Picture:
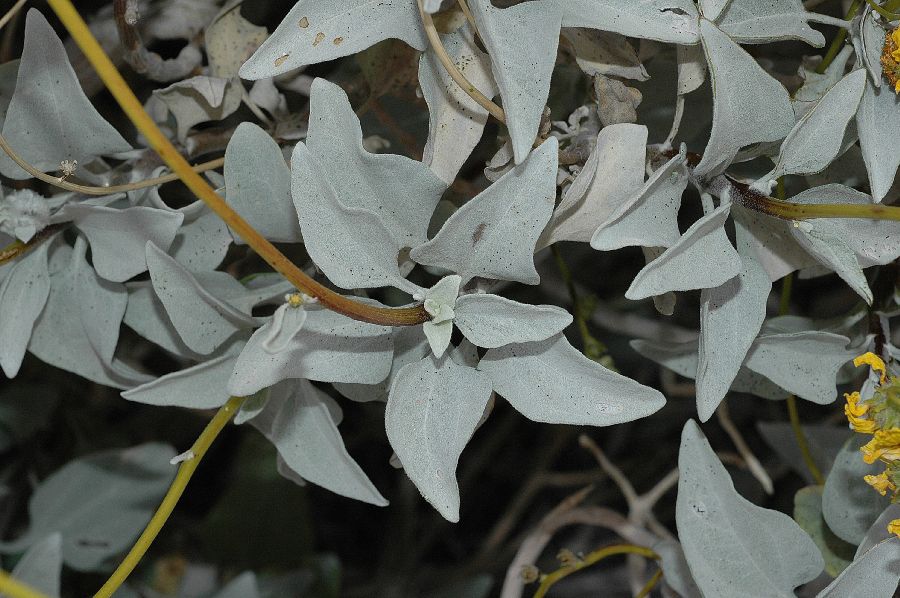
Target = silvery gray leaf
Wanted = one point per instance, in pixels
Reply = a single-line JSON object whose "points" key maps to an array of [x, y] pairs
{"points": [[761, 21], [409, 345], [491, 321], [672, 21], [875, 573], [702, 258], [432, 411], [879, 530], [773, 242], [40, 568], [873, 241], [86, 311], [803, 363], [676, 572], [23, 294], [691, 68], [711, 9], [333, 348], [298, 422], [740, 118], [682, 358], [605, 53], [230, 39], [522, 42], [614, 171], [551, 381], [49, 118], [816, 139], [400, 192], [202, 243], [650, 217], [733, 547], [350, 245], [455, 121], [203, 320], [98, 525], [202, 386], [731, 316], [494, 234], [878, 131], [118, 237], [314, 31], [258, 184], [834, 253], [824, 441], [146, 315], [200, 99], [849, 505]]}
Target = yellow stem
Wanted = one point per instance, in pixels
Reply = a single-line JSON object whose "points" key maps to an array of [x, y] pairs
{"points": [[93, 190], [598, 555], [651, 583], [9, 586], [107, 71], [435, 40], [185, 471]]}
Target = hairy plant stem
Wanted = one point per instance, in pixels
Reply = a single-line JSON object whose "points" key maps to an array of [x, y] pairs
{"points": [[467, 12], [596, 556], [787, 210], [123, 94], [887, 14], [838, 40], [6, 18], [435, 40], [185, 471], [94, 190]]}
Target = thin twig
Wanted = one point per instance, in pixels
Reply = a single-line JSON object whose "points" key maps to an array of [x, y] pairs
{"points": [[17, 248], [435, 40], [176, 489], [651, 583], [11, 13], [95, 190], [753, 464], [592, 558], [610, 468], [464, 7]]}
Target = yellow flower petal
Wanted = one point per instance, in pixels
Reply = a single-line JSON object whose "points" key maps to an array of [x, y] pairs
{"points": [[874, 362], [880, 482], [894, 527]]}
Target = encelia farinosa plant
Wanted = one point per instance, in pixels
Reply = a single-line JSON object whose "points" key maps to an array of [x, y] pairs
{"points": [[340, 242]]}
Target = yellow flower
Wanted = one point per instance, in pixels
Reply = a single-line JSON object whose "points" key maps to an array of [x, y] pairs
{"points": [[895, 38], [890, 59], [855, 412], [885, 446], [894, 527], [881, 483], [874, 362]]}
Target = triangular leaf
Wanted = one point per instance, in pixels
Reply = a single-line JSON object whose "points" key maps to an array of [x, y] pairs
{"points": [[202, 386], [875, 573], [733, 547], [23, 294], [522, 42], [332, 348], [491, 321], [297, 421], [433, 409], [494, 234], [551, 381], [739, 118], [314, 31], [702, 258], [50, 119], [258, 184]]}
